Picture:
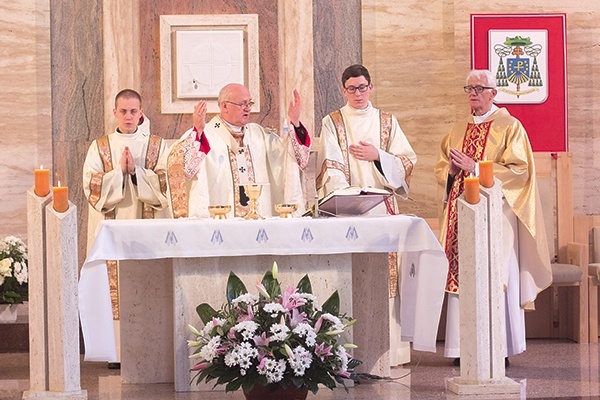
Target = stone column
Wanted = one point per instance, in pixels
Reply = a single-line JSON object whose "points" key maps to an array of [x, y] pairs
{"points": [[482, 323], [38, 328], [63, 358]]}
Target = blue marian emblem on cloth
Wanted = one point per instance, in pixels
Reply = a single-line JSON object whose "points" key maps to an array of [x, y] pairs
{"points": [[307, 235], [171, 239], [216, 238], [351, 234], [261, 236]]}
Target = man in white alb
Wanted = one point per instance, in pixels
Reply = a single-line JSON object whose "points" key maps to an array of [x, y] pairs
{"points": [[124, 175], [363, 146]]}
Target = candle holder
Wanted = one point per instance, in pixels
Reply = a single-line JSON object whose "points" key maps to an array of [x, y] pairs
{"points": [[253, 191]]}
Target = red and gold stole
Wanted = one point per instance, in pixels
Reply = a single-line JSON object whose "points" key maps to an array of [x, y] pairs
{"points": [[474, 143]]}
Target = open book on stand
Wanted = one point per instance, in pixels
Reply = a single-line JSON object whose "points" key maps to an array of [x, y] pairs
{"points": [[352, 201]]}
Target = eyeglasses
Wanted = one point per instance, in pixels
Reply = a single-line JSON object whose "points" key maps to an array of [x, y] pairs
{"points": [[361, 88], [246, 104], [476, 88]]}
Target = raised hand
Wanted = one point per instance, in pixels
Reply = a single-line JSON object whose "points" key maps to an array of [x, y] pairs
{"points": [[294, 109], [199, 116]]}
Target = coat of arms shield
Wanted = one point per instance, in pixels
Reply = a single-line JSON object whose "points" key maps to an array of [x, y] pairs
{"points": [[519, 60]]}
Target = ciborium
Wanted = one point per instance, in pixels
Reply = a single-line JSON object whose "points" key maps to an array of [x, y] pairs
{"points": [[219, 212], [253, 191], [286, 210]]}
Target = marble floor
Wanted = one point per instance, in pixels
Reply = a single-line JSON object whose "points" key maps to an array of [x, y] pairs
{"points": [[557, 369]]}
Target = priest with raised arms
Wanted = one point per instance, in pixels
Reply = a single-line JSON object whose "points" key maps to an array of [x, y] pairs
{"points": [[211, 162]]}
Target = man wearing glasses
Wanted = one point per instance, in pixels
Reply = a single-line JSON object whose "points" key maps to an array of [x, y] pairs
{"points": [[363, 146], [212, 161], [491, 133]]}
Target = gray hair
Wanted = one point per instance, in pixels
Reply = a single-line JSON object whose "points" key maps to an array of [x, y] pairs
{"points": [[483, 75]]}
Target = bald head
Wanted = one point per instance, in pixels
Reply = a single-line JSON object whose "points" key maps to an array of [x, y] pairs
{"points": [[235, 103]]}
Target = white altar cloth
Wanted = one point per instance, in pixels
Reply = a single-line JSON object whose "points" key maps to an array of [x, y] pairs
{"points": [[421, 290]]}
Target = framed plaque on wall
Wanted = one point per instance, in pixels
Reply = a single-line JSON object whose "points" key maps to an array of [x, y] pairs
{"points": [[527, 54]]}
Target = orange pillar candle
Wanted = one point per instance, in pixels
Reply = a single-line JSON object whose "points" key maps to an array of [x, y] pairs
{"points": [[472, 190], [486, 173], [41, 181], [61, 198]]}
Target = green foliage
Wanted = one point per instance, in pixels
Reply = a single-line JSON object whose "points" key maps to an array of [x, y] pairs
{"points": [[235, 287], [278, 337]]}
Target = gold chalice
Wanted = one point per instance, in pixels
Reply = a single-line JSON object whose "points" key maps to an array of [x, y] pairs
{"points": [[253, 191], [286, 210], [219, 212]]}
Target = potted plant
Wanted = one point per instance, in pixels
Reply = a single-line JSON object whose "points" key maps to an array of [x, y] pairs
{"points": [[272, 342], [13, 277]]}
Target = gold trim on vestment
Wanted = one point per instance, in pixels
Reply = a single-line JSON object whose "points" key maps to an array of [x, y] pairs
{"points": [[176, 180], [474, 147]]}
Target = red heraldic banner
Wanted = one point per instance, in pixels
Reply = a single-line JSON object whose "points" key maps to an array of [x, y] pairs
{"points": [[527, 54]]}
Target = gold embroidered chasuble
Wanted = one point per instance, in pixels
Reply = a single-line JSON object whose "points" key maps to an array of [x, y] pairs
{"points": [[503, 139], [260, 157]]}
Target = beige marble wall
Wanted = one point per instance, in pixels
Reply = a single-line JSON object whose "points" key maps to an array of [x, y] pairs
{"points": [[408, 48], [121, 35], [419, 53], [25, 129]]}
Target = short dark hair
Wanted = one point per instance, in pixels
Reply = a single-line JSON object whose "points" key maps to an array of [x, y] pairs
{"points": [[354, 71], [128, 94]]}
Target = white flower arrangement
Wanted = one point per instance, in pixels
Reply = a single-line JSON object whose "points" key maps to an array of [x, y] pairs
{"points": [[276, 338], [13, 271]]}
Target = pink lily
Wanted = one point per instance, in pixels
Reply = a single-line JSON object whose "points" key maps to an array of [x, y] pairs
{"points": [[344, 374], [262, 290], [231, 334], [261, 340], [261, 365], [286, 298], [318, 324], [289, 351], [321, 351], [297, 317], [200, 366], [222, 349], [249, 316]]}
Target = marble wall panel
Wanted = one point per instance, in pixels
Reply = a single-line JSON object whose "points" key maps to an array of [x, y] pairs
{"points": [[25, 129], [121, 35], [173, 125], [77, 95], [337, 45]]}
